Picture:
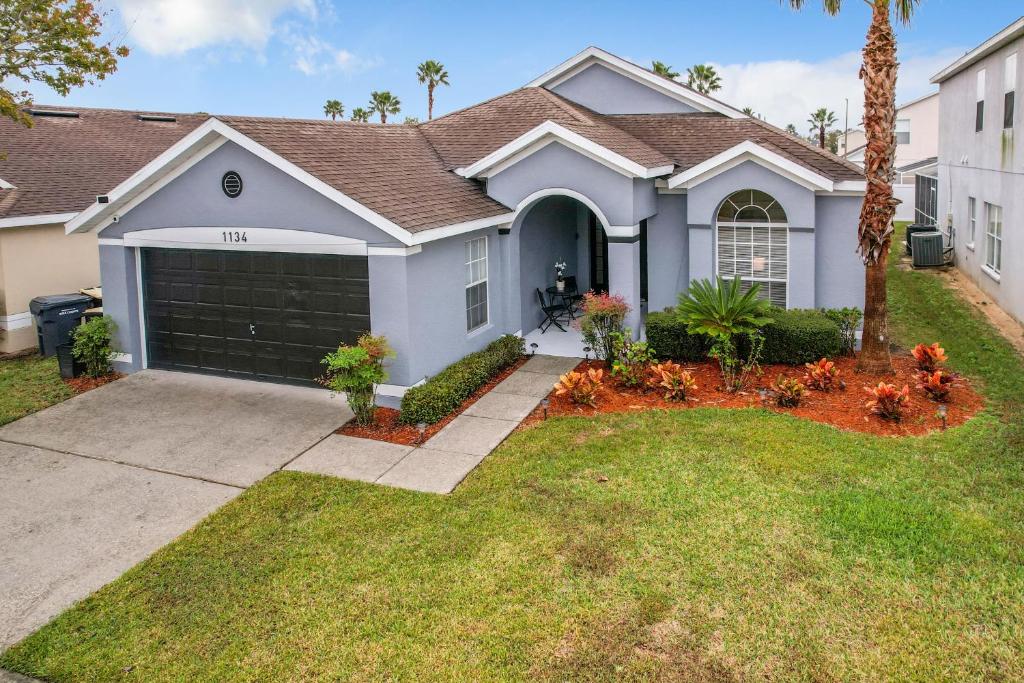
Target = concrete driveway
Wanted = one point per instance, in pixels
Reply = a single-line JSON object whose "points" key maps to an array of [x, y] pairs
{"points": [[95, 484]]}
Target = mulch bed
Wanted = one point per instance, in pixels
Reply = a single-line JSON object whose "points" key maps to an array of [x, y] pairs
{"points": [[82, 384], [842, 409], [386, 426]]}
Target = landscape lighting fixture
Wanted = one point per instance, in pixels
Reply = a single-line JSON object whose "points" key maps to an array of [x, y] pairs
{"points": [[586, 353], [544, 404], [533, 348], [941, 414], [421, 427]]}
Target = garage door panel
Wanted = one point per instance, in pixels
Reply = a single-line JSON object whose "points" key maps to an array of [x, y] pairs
{"points": [[262, 315]]}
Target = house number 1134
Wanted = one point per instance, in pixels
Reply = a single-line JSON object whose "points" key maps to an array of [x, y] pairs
{"points": [[234, 236]]}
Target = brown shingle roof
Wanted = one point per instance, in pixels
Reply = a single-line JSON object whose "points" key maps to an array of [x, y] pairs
{"points": [[61, 163], [390, 169], [468, 135], [690, 139]]}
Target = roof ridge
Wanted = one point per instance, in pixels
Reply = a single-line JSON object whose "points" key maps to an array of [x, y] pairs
{"points": [[472, 106], [818, 150], [572, 109]]}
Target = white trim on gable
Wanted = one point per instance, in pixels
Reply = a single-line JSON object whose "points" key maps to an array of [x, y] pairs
{"points": [[41, 219], [532, 199], [4, 185], [537, 138], [751, 151], [595, 55]]}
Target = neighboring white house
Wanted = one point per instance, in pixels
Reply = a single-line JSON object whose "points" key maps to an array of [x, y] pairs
{"points": [[917, 141], [981, 174]]}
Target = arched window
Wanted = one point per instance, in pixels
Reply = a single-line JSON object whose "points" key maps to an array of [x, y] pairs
{"points": [[753, 243]]}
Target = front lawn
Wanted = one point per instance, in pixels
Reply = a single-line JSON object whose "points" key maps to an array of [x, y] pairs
{"points": [[29, 384], [683, 545]]}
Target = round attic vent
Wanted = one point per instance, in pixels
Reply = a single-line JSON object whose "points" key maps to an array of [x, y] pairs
{"points": [[231, 183]]}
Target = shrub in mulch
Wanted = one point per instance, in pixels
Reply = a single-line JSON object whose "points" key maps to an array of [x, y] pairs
{"points": [[85, 383], [841, 409]]}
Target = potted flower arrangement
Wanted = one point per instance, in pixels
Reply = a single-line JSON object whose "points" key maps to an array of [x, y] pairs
{"points": [[560, 266]]}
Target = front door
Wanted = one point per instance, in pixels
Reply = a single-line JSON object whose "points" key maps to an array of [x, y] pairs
{"points": [[598, 256]]}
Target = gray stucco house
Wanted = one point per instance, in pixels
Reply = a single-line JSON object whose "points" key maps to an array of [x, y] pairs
{"points": [[980, 172], [253, 245]]}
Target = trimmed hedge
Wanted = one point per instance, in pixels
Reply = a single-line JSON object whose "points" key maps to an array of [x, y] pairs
{"points": [[794, 337], [798, 336], [444, 392], [668, 338]]}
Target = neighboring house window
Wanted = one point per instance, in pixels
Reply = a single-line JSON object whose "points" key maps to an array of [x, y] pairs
{"points": [[993, 237], [902, 131], [753, 243], [476, 283], [972, 220], [979, 107], [1009, 88]]}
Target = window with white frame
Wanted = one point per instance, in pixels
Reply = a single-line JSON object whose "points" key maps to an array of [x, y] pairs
{"points": [[979, 99], [476, 283], [902, 131], [972, 220], [753, 243], [1009, 88], [993, 237]]}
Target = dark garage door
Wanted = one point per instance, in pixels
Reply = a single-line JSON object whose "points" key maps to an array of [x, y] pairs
{"points": [[252, 315]]}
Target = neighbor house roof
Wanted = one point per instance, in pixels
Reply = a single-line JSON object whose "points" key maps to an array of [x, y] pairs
{"points": [[996, 42], [61, 163]]}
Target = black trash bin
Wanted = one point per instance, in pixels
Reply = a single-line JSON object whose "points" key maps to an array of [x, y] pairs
{"points": [[70, 367], [56, 316]]}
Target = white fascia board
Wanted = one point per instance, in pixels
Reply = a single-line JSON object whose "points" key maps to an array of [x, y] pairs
{"points": [[676, 91], [1011, 32], [4, 185], [856, 186], [623, 230], [528, 142], [444, 231], [198, 140], [750, 151], [41, 219]]}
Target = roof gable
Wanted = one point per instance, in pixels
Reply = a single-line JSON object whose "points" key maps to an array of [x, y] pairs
{"points": [[666, 86]]}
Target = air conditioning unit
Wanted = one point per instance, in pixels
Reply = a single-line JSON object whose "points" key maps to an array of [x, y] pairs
{"points": [[927, 249]]}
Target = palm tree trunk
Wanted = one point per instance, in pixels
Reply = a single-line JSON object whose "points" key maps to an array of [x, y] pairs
{"points": [[821, 136], [875, 234], [430, 102], [383, 117]]}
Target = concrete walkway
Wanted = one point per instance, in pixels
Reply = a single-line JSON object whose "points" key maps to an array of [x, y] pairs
{"points": [[446, 458]]}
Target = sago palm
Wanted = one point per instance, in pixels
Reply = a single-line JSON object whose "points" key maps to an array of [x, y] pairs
{"points": [[663, 69], [360, 115], [820, 121], [334, 109], [722, 310], [703, 78], [878, 71], [433, 74], [382, 102]]}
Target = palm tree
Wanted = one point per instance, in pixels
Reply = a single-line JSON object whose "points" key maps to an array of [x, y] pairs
{"points": [[384, 103], [703, 78], [334, 109], [874, 234], [791, 129], [821, 120], [433, 74], [663, 69], [749, 111], [360, 115]]}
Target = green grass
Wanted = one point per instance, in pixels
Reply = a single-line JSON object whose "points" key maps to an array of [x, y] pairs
{"points": [[29, 384], [724, 546]]}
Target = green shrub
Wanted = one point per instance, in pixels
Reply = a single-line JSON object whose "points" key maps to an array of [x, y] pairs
{"points": [[356, 371], [92, 344], [602, 317], [445, 391], [631, 359], [798, 336], [668, 337], [848, 320]]}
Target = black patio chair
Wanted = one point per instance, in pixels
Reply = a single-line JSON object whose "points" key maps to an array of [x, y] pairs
{"points": [[572, 294], [551, 313]]}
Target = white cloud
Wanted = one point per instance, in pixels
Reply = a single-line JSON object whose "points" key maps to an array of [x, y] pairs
{"points": [[164, 27], [313, 56], [787, 91]]}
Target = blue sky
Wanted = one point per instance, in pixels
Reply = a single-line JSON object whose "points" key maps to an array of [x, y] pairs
{"points": [[286, 57]]}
